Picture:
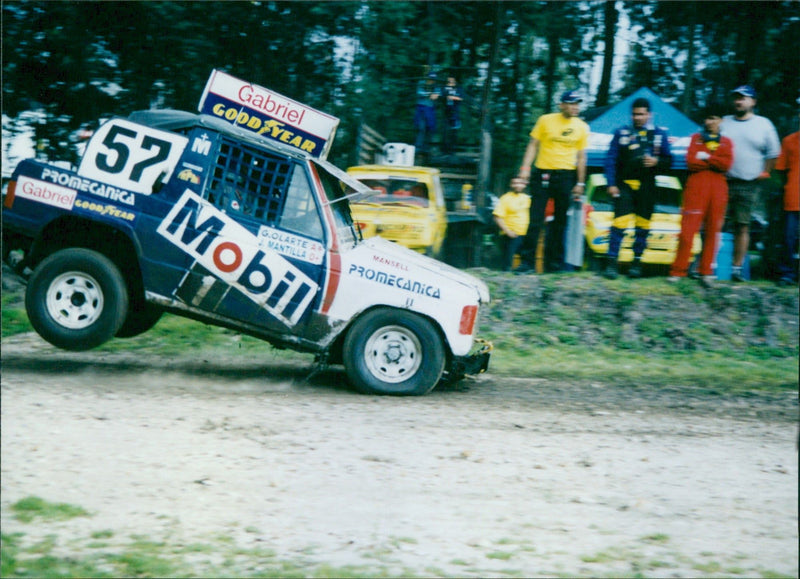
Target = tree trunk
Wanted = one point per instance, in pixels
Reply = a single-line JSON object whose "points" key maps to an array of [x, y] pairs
{"points": [[484, 168], [553, 54], [611, 16], [688, 93]]}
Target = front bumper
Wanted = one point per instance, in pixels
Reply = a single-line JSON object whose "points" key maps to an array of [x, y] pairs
{"points": [[476, 362]]}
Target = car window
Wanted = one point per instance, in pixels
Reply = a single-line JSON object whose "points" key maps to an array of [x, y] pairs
{"points": [[668, 200], [300, 212], [398, 191], [337, 185], [250, 182], [263, 187]]}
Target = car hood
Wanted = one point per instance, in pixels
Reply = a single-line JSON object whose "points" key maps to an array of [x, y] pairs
{"points": [[388, 213], [404, 255]]}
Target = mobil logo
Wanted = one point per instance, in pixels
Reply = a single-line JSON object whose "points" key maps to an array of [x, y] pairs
{"points": [[232, 253]]}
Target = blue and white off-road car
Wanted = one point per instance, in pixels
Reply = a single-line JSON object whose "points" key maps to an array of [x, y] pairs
{"points": [[233, 217]]}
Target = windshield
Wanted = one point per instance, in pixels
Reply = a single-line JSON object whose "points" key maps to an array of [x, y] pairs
{"points": [[339, 186], [667, 200], [397, 191]]}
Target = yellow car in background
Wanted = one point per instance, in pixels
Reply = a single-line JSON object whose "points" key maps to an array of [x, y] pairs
{"points": [[409, 207], [665, 224]]}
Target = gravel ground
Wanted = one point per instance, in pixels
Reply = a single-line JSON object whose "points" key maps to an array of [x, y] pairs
{"points": [[497, 476]]}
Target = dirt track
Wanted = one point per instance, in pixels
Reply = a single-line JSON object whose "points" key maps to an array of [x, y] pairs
{"points": [[498, 476]]}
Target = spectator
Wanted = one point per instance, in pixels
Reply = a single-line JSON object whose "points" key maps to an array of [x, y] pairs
{"points": [[558, 145], [452, 97], [425, 113], [512, 217], [756, 143], [636, 155], [789, 164], [705, 197]]}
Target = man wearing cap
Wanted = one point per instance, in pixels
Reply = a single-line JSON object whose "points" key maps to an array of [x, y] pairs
{"points": [[558, 145], [757, 146], [637, 153]]}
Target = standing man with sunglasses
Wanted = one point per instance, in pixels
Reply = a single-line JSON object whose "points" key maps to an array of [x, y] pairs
{"points": [[558, 145]]}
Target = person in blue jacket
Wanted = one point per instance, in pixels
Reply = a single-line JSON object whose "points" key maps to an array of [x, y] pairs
{"points": [[425, 113], [636, 155]]}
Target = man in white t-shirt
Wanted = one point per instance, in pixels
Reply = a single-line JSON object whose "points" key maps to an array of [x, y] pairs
{"points": [[755, 148]]}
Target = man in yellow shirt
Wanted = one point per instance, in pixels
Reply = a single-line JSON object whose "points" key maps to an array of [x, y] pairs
{"points": [[558, 144], [512, 217]]}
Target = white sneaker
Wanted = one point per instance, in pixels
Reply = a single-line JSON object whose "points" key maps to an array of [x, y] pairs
{"points": [[673, 279]]}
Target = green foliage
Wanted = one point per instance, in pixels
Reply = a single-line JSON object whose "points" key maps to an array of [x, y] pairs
{"points": [[15, 321], [575, 327], [31, 508], [146, 557], [582, 327], [76, 62]]}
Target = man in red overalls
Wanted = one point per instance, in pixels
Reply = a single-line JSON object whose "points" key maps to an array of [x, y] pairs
{"points": [[705, 197]]}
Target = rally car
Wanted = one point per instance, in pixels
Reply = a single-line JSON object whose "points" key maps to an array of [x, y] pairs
{"points": [[234, 217], [409, 207], [665, 224]]}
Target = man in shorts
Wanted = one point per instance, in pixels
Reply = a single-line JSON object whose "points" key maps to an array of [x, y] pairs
{"points": [[755, 148]]}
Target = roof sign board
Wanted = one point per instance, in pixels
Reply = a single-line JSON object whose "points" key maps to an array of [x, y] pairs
{"points": [[268, 114]]}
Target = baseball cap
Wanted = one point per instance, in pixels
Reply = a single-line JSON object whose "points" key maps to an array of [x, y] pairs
{"points": [[571, 97], [745, 90]]}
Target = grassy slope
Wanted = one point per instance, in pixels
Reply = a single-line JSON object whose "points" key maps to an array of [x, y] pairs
{"points": [[580, 326]]}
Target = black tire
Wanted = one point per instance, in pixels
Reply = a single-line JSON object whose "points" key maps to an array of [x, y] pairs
{"points": [[76, 299], [141, 317], [389, 351]]}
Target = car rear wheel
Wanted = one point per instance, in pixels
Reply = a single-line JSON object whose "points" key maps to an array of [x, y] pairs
{"points": [[76, 299], [140, 318], [393, 352]]}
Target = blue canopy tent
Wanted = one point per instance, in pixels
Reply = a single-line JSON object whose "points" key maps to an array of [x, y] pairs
{"points": [[679, 127]]}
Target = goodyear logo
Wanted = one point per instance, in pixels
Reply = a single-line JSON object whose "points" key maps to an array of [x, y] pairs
{"points": [[105, 209], [264, 126]]}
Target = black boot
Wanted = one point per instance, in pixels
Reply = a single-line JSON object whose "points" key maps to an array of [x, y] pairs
{"points": [[635, 271], [610, 271]]}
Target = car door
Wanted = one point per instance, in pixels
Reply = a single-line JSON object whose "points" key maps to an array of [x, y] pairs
{"points": [[255, 239]]}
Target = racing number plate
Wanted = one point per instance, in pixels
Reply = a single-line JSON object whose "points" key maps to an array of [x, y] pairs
{"points": [[131, 156]]}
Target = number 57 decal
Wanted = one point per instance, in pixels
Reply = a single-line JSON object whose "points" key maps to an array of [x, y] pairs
{"points": [[131, 156]]}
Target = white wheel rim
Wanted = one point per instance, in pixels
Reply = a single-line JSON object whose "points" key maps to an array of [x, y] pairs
{"points": [[74, 300], [393, 354]]}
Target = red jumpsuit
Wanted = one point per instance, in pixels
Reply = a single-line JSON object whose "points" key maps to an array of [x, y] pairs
{"points": [[704, 200]]}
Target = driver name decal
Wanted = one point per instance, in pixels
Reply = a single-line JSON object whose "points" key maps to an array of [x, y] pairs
{"points": [[290, 245]]}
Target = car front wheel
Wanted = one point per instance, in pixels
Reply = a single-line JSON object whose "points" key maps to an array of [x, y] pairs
{"points": [[394, 352], [76, 299]]}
